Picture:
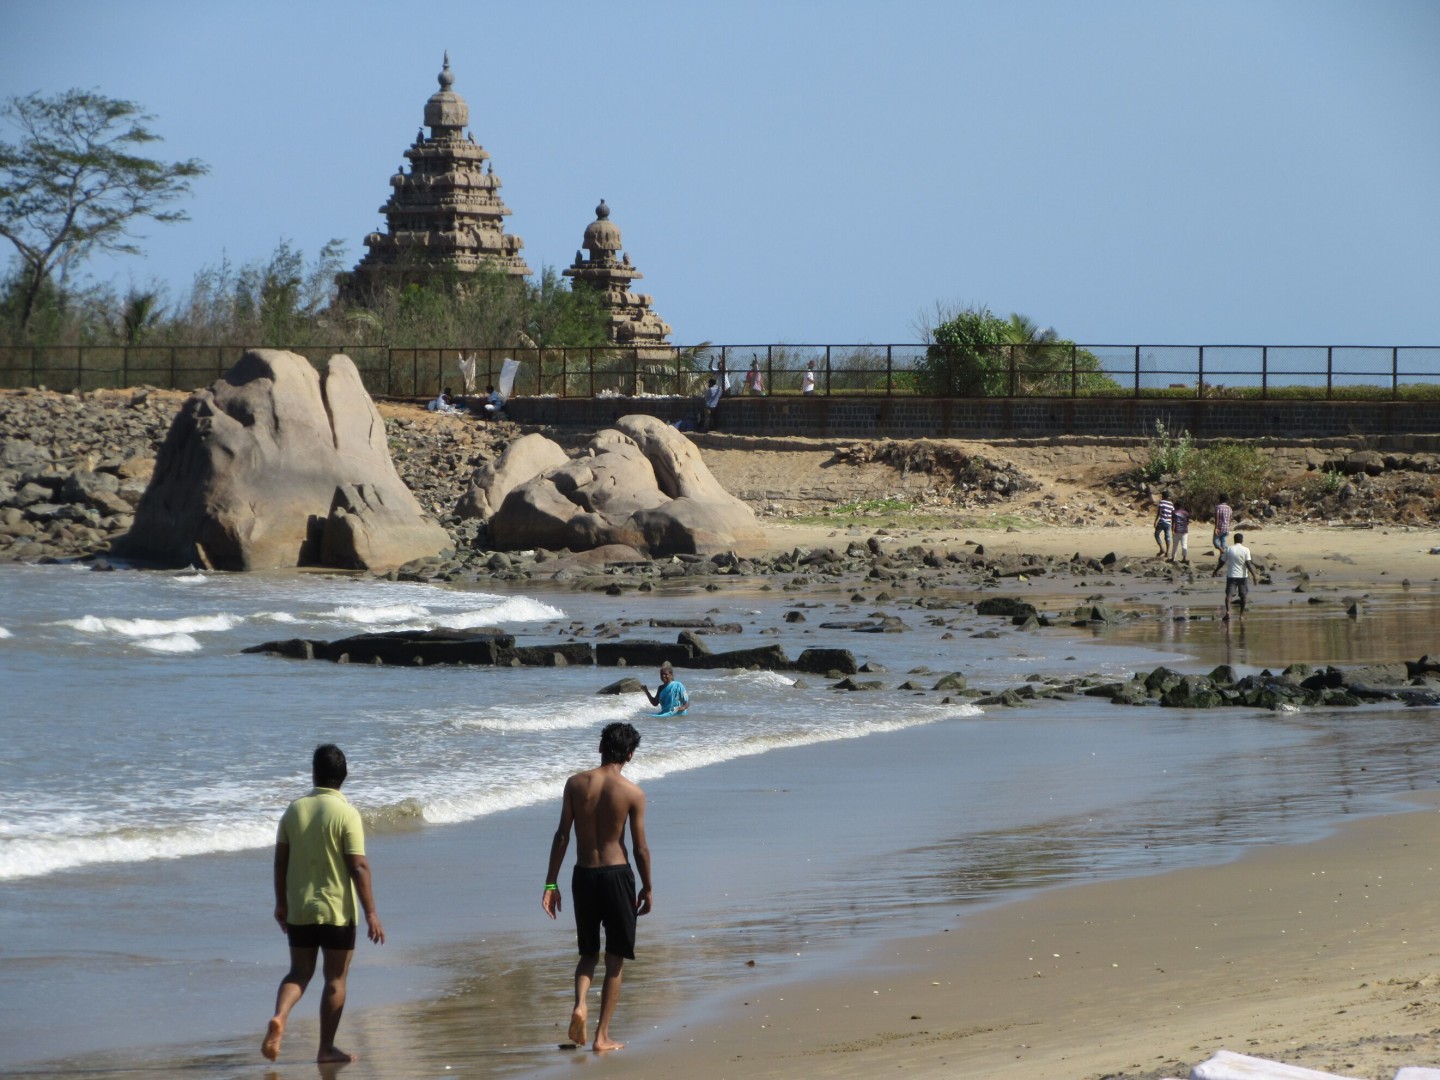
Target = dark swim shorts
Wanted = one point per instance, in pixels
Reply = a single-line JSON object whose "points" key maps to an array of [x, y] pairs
{"points": [[1237, 587], [604, 895], [321, 936]]}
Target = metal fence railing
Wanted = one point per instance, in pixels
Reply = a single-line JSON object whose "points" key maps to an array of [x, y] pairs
{"points": [[1322, 372]]}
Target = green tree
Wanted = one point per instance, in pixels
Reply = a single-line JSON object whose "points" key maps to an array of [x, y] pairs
{"points": [[75, 183], [966, 356]]}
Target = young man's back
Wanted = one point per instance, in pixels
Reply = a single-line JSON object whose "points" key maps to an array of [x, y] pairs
{"points": [[598, 804]]}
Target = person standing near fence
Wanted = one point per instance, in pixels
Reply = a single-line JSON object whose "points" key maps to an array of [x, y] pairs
{"points": [[754, 380], [807, 381], [711, 402]]}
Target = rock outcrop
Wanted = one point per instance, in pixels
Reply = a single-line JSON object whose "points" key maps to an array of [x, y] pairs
{"points": [[274, 466], [641, 483]]}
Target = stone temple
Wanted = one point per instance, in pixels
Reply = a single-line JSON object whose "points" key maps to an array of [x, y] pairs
{"points": [[445, 213], [609, 273]]}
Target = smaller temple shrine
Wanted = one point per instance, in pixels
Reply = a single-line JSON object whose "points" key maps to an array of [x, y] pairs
{"points": [[445, 213], [606, 271]]}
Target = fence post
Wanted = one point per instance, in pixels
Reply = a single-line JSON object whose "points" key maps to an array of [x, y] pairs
{"points": [[1074, 371], [1394, 373], [1200, 373], [770, 367], [125, 366], [1264, 372], [1329, 371], [172, 368], [1137, 371], [889, 370], [1014, 373], [80, 369]]}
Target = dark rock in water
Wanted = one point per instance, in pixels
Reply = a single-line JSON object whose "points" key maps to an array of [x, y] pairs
{"points": [[1415, 698], [1192, 692], [1224, 674], [910, 684], [794, 616], [825, 661], [623, 686], [952, 681], [1096, 613], [1005, 606], [554, 655], [641, 653], [1131, 693], [1162, 679], [404, 647], [693, 642], [852, 684], [872, 668], [764, 657]]}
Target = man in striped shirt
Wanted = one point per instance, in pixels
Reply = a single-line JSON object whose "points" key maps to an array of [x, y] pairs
{"points": [[1223, 514], [1163, 515]]}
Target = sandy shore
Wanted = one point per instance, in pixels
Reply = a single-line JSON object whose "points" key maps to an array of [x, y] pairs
{"points": [[1323, 955]]}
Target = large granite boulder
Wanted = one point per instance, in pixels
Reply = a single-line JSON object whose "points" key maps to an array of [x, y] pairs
{"points": [[527, 456], [274, 466], [641, 483]]}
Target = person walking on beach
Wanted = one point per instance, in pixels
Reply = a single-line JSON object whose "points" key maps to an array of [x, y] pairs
{"points": [[1239, 572], [1180, 534], [670, 696], [1164, 511], [320, 867], [1223, 516], [598, 804]]}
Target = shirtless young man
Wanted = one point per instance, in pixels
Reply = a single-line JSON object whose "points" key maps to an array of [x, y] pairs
{"points": [[598, 804]]}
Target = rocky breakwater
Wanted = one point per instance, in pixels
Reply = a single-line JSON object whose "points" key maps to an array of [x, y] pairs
{"points": [[73, 469], [276, 466]]}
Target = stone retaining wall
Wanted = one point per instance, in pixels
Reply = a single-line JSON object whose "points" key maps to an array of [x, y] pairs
{"points": [[1010, 418]]}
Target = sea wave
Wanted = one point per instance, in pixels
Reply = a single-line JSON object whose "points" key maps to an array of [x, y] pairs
{"points": [[37, 856], [171, 643], [559, 716], [5, 633], [151, 628]]}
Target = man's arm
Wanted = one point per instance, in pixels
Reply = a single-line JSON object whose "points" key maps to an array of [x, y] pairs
{"points": [[282, 873], [643, 901], [1250, 569], [359, 868], [559, 844]]}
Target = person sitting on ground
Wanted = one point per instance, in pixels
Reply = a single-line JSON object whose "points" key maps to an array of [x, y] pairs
{"points": [[670, 696], [444, 402], [494, 403]]}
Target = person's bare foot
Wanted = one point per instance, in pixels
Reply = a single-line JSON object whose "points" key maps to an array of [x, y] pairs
{"points": [[577, 1025], [602, 1045], [335, 1056], [273, 1034]]}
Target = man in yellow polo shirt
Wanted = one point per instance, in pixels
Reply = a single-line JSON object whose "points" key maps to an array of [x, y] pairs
{"points": [[320, 868]]}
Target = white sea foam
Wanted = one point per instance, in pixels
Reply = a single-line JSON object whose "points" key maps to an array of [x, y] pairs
{"points": [[557, 717], [376, 614], [276, 616], [761, 679], [190, 579], [36, 856], [170, 643], [149, 628], [450, 809], [5, 633]]}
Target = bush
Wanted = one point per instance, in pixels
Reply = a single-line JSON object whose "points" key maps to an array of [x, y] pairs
{"points": [[1168, 454], [1235, 469]]}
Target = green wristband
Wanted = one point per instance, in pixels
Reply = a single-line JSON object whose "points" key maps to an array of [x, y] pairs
{"points": [[551, 887]]}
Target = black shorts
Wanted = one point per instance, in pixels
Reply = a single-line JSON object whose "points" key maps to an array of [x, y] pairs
{"points": [[604, 895], [322, 936], [1238, 587]]}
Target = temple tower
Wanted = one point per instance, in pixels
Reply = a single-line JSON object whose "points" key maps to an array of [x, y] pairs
{"points": [[445, 213], [608, 274]]}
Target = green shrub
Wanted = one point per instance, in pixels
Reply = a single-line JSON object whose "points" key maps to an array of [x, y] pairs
{"points": [[1168, 454], [1235, 469]]}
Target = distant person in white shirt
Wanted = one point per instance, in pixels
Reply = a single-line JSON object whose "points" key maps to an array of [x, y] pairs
{"points": [[444, 402], [807, 381], [1239, 572]]}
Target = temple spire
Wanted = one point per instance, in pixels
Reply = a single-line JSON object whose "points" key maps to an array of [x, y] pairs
{"points": [[608, 273]]}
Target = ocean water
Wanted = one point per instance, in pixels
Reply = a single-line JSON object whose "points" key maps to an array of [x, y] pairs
{"points": [[145, 761]]}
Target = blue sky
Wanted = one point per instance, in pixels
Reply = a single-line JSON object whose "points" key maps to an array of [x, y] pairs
{"points": [[1224, 172]]}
